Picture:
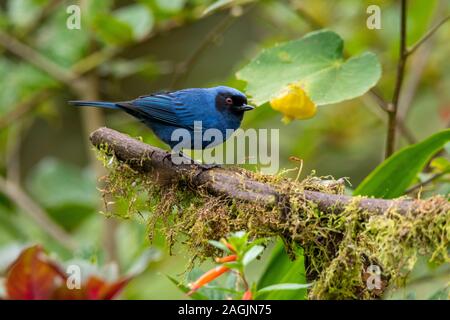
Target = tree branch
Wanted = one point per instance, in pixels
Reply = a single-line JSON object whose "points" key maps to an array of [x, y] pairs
{"points": [[426, 36], [426, 182], [35, 58], [392, 113], [23, 107], [147, 159]]}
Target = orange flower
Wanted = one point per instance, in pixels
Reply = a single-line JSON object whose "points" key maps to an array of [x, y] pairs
{"points": [[247, 295], [229, 246], [207, 277], [229, 258]]}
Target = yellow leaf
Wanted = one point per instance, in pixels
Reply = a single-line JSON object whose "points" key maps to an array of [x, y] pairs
{"points": [[294, 103]]}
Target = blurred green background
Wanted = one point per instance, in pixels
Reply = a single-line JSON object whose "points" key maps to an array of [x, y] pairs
{"points": [[129, 48]]}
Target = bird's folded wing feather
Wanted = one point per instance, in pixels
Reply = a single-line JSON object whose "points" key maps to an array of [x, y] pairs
{"points": [[164, 108]]}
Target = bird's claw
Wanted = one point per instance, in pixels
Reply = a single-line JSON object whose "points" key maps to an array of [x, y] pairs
{"points": [[209, 166], [184, 159]]}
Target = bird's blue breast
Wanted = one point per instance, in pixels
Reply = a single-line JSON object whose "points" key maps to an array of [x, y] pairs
{"points": [[181, 110]]}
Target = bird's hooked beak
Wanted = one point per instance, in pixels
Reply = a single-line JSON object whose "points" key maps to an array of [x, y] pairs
{"points": [[244, 107]]}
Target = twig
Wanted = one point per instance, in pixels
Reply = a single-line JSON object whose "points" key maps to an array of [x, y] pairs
{"points": [[378, 98], [427, 35], [147, 159], [99, 57], [426, 182], [35, 212], [23, 107], [43, 14], [392, 114], [418, 65], [35, 58]]}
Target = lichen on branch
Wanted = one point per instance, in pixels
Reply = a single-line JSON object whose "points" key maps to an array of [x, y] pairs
{"points": [[341, 235]]}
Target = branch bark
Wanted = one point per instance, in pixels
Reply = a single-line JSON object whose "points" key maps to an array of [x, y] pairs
{"points": [[147, 159], [403, 55]]}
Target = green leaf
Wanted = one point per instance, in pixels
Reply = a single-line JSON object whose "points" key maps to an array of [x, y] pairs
{"points": [[196, 295], [222, 4], [447, 147], [111, 30], [233, 265], [142, 262], [217, 5], [18, 81], [219, 245], [239, 241], [51, 39], [68, 193], [392, 177], [281, 269], [138, 17], [91, 9], [172, 6], [316, 62], [441, 294], [440, 164], [22, 12], [252, 254], [55, 183], [284, 286]]}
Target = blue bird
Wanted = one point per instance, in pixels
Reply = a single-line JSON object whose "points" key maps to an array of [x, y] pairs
{"points": [[218, 108]]}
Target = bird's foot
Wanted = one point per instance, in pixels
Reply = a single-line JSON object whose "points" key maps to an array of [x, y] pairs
{"points": [[182, 158], [209, 166]]}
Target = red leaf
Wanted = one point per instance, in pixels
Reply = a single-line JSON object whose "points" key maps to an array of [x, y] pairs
{"points": [[33, 276], [98, 289]]}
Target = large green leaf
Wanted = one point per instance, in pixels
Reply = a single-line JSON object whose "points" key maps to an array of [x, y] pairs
{"points": [[19, 80], [316, 61], [138, 17], [124, 25], [51, 40], [22, 12], [112, 30], [391, 178], [172, 6], [281, 270]]}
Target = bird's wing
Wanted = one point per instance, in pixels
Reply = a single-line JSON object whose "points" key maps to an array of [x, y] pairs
{"points": [[160, 107]]}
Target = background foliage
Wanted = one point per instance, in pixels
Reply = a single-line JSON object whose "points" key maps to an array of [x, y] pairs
{"points": [[128, 48]]}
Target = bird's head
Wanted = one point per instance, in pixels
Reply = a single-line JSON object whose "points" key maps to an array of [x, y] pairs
{"points": [[231, 100]]}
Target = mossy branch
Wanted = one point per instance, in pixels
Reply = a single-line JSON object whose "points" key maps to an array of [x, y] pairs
{"points": [[237, 185], [340, 235]]}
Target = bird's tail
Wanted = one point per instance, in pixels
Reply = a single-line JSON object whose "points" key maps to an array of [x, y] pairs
{"points": [[100, 104]]}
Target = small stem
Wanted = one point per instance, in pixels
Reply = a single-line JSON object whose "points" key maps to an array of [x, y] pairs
{"points": [[426, 36], [426, 182], [393, 107], [244, 280], [308, 18], [23, 107], [35, 58]]}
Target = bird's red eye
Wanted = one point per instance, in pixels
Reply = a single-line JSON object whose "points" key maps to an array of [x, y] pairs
{"points": [[229, 101]]}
